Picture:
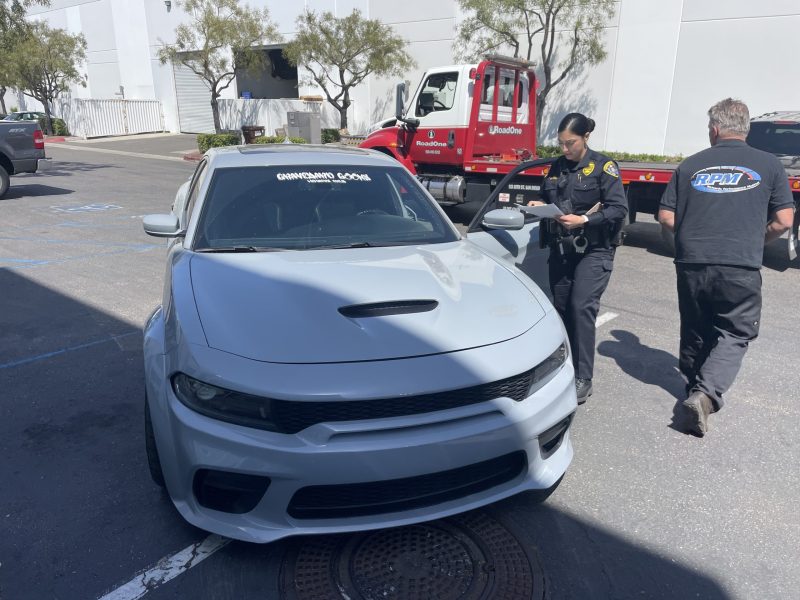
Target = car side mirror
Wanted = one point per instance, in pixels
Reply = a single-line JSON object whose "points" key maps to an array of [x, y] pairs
{"points": [[162, 226], [503, 218], [399, 99]]}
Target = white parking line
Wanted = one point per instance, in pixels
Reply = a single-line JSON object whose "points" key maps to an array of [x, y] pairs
{"points": [[604, 318], [168, 568]]}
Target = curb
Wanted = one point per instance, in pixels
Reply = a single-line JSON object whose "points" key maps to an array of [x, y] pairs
{"points": [[57, 139], [193, 156]]}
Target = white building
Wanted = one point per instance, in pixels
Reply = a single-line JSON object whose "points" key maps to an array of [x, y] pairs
{"points": [[668, 61]]}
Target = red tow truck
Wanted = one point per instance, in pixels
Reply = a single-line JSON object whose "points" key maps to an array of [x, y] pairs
{"points": [[466, 126]]}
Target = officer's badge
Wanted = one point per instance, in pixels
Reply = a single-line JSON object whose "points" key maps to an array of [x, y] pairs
{"points": [[588, 169], [611, 169]]}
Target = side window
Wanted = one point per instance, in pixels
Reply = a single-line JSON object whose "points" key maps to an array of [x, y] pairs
{"points": [[438, 93], [194, 189]]}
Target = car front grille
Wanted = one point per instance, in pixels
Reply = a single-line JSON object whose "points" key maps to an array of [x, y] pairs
{"points": [[291, 416], [381, 497]]}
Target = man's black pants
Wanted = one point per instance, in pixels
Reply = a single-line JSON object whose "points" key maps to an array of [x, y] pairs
{"points": [[720, 309], [577, 282]]}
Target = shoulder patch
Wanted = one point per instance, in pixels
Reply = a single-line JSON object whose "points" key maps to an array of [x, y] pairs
{"points": [[546, 171], [611, 169], [589, 169]]}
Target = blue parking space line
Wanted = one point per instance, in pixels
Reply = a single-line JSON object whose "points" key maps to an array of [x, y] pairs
{"points": [[38, 357]]}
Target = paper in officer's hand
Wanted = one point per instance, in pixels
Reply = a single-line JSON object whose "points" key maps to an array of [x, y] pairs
{"points": [[546, 211]]}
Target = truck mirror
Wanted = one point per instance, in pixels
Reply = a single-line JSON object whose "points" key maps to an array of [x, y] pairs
{"points": [[399, 99]]}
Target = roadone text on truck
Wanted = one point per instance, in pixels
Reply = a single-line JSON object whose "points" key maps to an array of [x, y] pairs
{"points": [[466, 126]]}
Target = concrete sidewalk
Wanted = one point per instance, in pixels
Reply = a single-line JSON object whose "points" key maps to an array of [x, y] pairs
{"points": [[172, 145]]}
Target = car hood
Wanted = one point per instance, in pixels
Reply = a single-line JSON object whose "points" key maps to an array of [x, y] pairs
{"points": [[286, 306]]}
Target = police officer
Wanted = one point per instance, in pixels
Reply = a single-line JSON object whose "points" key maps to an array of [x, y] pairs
{"points": [[585, 185], [719, 204]]}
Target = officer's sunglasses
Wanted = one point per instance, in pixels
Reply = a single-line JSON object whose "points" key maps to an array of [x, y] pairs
{"points": [[567, 143]]}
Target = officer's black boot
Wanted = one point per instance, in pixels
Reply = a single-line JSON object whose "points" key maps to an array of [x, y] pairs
{"points": [[696, 409], [583, 388]]}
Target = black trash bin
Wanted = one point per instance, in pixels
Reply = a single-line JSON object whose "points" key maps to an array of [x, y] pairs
{"points": [[251, 132]]}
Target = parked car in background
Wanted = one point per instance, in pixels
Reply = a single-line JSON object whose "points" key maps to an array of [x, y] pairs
{"points": [[21, 150], [333, 355], [25, 116], [779, 133]]}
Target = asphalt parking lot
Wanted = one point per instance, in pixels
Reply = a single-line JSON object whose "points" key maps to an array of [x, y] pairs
{"points": [[643, 512]]}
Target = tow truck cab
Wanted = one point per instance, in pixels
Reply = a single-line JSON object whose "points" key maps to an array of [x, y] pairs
{"points": [[465, 126]]}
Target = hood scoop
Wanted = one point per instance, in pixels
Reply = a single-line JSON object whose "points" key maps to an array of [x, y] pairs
{"points": [[385, 309]]}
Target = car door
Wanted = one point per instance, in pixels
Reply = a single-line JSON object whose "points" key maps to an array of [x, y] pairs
{"points": [[518, 247]]}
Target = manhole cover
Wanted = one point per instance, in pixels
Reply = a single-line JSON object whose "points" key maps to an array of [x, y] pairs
{"points": [[467, 557]]}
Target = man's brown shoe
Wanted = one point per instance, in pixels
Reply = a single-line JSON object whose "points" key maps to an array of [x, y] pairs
{"points": [[696, 409]]}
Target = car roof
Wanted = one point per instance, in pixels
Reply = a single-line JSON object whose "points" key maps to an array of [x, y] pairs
{"points": [[783, 115], [259, 155]]}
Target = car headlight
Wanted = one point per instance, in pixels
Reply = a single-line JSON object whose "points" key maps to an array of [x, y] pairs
{"points": [[222, 404], [547, 369]]}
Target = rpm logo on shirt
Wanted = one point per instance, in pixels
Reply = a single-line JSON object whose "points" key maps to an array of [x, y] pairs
{"points": [[725, 180]]}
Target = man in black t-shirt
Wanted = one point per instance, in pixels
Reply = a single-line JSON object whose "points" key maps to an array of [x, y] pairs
{"points": [[723, 204]]}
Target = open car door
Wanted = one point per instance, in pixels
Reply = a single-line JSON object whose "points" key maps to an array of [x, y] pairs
{"points": [[518, 246]]}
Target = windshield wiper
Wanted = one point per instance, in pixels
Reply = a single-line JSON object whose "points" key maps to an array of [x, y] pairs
{"points": [[353, 245], [240, 249]]}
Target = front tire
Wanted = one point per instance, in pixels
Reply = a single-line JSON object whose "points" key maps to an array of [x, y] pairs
{"points": [[153, 462], [5, 181]]}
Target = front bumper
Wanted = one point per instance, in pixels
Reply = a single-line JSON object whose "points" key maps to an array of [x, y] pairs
{"points": [[352, 456]]}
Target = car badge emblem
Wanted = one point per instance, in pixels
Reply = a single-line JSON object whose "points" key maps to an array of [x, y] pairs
{"points": [[431, 134]]}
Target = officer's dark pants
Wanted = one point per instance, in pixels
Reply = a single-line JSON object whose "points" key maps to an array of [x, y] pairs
{"points": [[577, 282], [720, 310]]}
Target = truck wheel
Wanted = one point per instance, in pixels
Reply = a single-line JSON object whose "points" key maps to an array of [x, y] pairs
{"points": [[153, 462], [4, 181], [667, 241]]}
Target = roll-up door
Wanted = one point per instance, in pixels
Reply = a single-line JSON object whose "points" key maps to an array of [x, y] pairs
{"points": [[194, 101]]}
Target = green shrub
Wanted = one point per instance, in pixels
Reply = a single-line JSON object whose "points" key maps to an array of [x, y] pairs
{"points": [[276, 139], [59, 126], [555, 151], [216, 140], [330, 136]]}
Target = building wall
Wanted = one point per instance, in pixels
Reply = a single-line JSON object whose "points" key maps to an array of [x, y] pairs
{"points": [[668, 60]]}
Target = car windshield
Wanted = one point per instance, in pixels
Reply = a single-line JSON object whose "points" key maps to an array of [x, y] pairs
{"points": [[777, 138], [305, 207]]}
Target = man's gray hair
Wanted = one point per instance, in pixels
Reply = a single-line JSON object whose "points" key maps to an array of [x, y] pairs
{"points": [[730, 116]]}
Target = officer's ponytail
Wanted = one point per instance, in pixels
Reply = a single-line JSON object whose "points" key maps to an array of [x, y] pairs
{"points": [[576, 123]]}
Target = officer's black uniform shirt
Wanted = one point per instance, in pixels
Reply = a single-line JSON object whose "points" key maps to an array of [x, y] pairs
{"points": [[594, 179], [722, 198]]}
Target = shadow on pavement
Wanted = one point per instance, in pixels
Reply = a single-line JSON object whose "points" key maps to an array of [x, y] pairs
{"points": [[80, 515], [79, 511], [61, 168], [33, 190], [582, 560], [577, 559], [651, 366]]}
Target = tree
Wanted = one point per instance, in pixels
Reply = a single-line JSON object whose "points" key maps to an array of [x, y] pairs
{"points": [[218, 42], [44, 63], [339, 53], [12, 13], [494, 24], [12, 25]]}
